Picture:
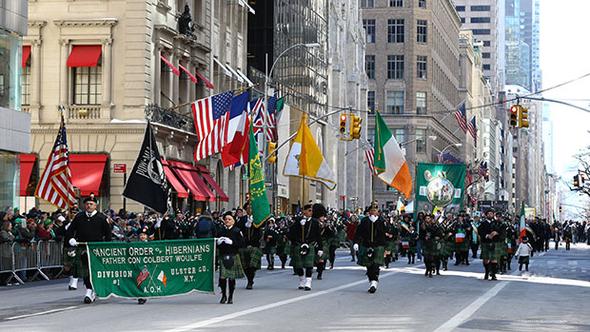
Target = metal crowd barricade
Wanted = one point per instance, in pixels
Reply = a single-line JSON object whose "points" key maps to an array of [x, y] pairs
{"points": [[50, 256], [35, 256], [26, 258], [7, 261]]}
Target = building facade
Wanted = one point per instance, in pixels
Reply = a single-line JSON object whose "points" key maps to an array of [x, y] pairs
{"points": [[14, 124], [412, 63], [109, 66]]}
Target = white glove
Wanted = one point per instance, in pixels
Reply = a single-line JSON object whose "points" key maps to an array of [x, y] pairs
{"points": [[73, 242], [220, 240], [355, 247], [320, 253], [228, 240]]}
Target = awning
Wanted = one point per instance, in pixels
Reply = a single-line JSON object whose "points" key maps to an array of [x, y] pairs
{"points": [[235, 74], [27, 162], [87, 171], [188, 174], [26, 55], [209, 179], [250, 83], [176, 184], [225, 70], [84, 56], [205, 80]]}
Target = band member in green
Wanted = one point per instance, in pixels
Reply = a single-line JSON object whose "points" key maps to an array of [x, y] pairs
{"points": [[304, 235], [369, 241], [229, 242]]}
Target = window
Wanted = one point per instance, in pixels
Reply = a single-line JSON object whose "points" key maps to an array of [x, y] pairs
{"points": [[395, 67], [481, 32], [486, 55], [370, 66], [487, 43], [367, 3], [369, 26], [371, 100], [421, 66], [480, 20], [394, 102], [422, 31], [462, 19], [26, 85], [87, 85], [420, 102], [396, 3], [460, 8], [486, 67], [420, 141], [395, 31], [422, 3], [480, 8], [400, 135]]}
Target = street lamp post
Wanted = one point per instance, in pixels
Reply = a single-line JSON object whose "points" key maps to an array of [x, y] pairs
{"points": [[267, 78], [441, 152]]}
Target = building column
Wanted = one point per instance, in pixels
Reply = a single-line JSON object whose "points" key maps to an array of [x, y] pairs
{"points": [[157, 87], [35, 80], [63, 81], [107, 78], [175, 83]]}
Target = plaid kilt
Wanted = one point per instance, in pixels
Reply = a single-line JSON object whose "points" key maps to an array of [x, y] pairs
{"points": [[251, 257], [298, 261], [235, 272], [378, 256], [77, 265], [432, 248], [492, 251], [523, 259], [391, 246], [447, 248], [270, 250], [325, 247]]}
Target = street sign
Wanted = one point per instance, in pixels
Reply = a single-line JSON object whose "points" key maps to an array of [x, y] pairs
{"points": [[120, 168]]}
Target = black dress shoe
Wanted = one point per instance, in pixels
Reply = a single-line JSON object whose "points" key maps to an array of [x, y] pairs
{"points": [[141, 301], [372, 289], [223, 299]]}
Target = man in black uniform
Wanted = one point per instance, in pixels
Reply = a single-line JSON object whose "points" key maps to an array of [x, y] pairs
{"points": [[304, 235], [369, 241], [87, 226], [251, 252], [492, 244]]}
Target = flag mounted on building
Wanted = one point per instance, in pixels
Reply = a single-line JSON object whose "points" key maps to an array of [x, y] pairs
{"points": [[472, 128], [461, 116], [305, 158], [390, 163], [370, 156], [55, 184], [238, 118], [522, 224], [211, 117], [259, 200], [147, 182]]}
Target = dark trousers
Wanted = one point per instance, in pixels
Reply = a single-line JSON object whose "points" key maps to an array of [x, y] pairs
{"points": [[308, 272], [373, 272], [87, 283], [474, 247]]}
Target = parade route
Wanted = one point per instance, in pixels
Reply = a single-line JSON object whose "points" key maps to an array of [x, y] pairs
{"points": [[552, 296]]}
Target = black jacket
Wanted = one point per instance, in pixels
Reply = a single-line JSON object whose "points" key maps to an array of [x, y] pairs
{"points": [[89, 229], [308, 233], [252, 235], [237, 240], [370, 234]]}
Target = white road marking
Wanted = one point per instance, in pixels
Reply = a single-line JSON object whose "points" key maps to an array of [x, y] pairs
{"points": [[42, 313], [572, 263], [216, 320]]}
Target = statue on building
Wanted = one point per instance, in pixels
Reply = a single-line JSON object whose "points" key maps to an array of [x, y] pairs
{"points": [[185, 25]]}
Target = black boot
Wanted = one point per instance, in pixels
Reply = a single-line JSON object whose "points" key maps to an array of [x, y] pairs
{"points": [[438, 267], [486, 266], [413, 259], [223, 286], [493, 270], [232, 288], [250, 275]]}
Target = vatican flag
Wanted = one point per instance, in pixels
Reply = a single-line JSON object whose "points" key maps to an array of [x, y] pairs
{"points": [[305, 158]]}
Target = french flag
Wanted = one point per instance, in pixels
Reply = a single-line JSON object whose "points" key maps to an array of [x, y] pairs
{"points": [[237, 127]]}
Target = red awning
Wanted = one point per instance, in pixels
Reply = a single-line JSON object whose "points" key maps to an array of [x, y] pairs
{"points": [[27, 162], [87, 171], [188, 174], [209, 179], [26, 55], [205, 80], [180, 190], [84, 56]]}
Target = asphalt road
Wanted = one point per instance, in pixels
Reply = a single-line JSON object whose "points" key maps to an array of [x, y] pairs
{"points": [[553, 296]]}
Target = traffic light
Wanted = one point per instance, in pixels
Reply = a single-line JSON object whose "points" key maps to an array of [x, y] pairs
{"points": [[343, 118], [514, 115], [523, 117], [272, 156], [355, 127], [577, 181]]}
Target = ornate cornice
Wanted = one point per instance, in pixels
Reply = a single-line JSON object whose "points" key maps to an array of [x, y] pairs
{"points": [[100, 22], [37, 23], [79, 128]]}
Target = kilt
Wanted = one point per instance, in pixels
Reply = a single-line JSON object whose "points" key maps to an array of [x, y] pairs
{"points": [[432, 248], [447, 248], [523, 259], [270, 250], [77, 265], [251, 257], [391, 246], [235, 272], [326, 251], [378, 257], [298, 261], [492, 251]]}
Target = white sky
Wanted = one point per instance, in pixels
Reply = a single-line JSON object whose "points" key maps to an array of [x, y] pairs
{"points": [[565, 54]]}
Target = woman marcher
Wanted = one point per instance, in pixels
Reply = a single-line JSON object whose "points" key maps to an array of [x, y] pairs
{"points": [[229, 242]]}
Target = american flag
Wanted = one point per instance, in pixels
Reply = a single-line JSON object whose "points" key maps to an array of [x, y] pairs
{"points": [[256, 108], [472, 128], [461, 117], [211, 116], [370, 155], [55, 185], [271, 122]]}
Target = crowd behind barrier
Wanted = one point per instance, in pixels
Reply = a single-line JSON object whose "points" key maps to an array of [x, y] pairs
{"points": [[16, 260]]}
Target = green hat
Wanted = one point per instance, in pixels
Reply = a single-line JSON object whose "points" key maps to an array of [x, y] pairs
{"points": [[48, 222]]}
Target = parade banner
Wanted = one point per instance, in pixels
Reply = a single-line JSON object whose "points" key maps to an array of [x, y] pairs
{"points": [[151, 269], [439, 186]]}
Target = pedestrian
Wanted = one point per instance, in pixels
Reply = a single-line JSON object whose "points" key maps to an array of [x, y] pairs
{"points": [[350, 231], [251, 253], [229, 243], [87, 226], [304, 235], [523, 253], [369, 242]]}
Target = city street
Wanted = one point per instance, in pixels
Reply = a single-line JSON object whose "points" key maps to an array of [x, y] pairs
{"points": [[553, 296]]}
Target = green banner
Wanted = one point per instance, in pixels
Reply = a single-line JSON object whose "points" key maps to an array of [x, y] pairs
{"points": [[260, 205], [439, 186], [151, 269]]}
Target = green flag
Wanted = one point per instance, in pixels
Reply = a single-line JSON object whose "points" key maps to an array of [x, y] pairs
{"points": [[259, 200], [280, 104]]}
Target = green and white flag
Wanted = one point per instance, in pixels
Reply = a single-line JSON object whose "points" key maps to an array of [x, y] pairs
{"points": [[259, 200]]}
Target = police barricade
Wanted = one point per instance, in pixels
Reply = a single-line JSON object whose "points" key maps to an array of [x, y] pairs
{"points": [[7, 261], [26, 258], [50, 256]]}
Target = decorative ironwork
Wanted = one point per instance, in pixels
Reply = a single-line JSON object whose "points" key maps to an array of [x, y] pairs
{"points": [[168, 117]]}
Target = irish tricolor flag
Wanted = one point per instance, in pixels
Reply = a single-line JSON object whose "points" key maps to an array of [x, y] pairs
{"points": [[390, 163], [522, 225]]}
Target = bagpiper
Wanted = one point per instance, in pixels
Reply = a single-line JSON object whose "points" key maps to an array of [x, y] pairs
{"points": [[270, 236], [492, 246], [87, 226], [391, 241], [304, 235], [326, 235], [462, 231], [229, 243], [369, 241], [251, 253], [431, 235]]}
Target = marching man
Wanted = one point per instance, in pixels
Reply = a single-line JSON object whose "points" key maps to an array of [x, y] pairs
{"points": [[87, 226], [369, 241]]}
